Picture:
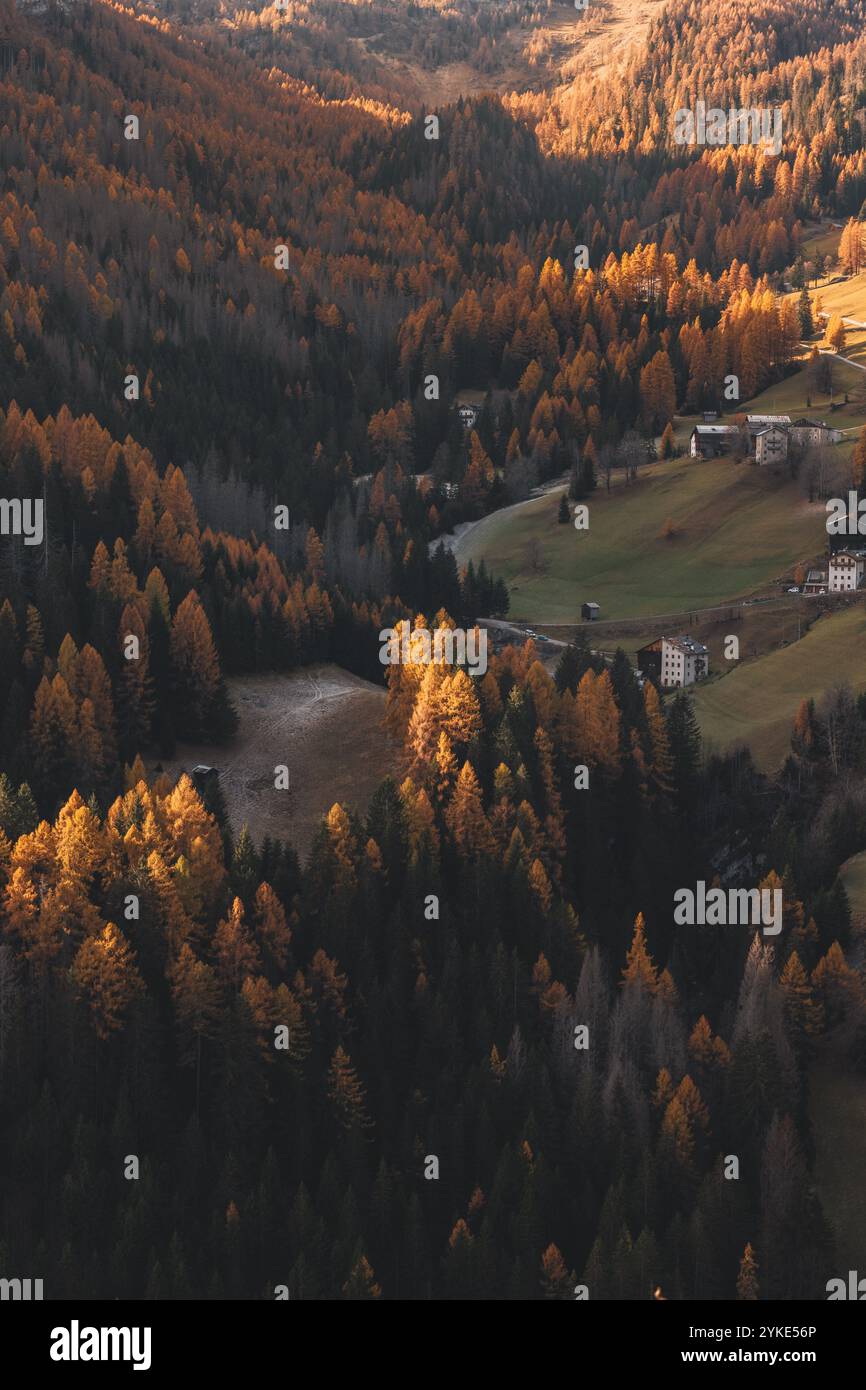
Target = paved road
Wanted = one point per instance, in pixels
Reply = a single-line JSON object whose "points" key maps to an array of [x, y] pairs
{"points": [[455, 540], [849, 323], [828, 352], [641, 618], [518, 630]]}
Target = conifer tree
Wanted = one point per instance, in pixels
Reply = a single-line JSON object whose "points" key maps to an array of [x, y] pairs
{"points": [[105, 975], [556, 1281], [346, 1093], [361, 1283], [466, 818], [747, 1279], [639, 969]]}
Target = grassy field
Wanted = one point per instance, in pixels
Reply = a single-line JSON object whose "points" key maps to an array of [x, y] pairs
{"points": [[837, 1109], [821, 241], [761, 628], [737, 527], [756, 702], [846, 297], [790, 397], [804, 394]]}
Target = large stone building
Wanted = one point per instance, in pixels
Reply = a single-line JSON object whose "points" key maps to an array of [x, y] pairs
{"points": [[765, 437], [673, 662], [845, 571], [810, 433], [768, 444]]}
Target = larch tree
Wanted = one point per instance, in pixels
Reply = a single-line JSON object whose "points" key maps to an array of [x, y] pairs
{"points": [[105, 976], [196, 998], [346, 1093], [639, 968], [747, 1279], [557, 1281], [235, 951], [466, 817], [195, 665], [272, 930], [361, 1283]]}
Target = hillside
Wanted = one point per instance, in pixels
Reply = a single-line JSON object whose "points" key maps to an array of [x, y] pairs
{"points": [[430, 53], [755, 703], [736, 529], [340, 951]]}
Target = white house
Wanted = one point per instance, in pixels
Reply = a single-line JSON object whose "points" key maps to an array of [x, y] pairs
{"points": [[674, 661], [684, 661], [468, 416], [846, 571]]}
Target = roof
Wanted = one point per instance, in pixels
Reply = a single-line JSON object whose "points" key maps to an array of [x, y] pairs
{"points": [[847, 555], [688, 644], [812, 425], [714, 429], [768, 419]]}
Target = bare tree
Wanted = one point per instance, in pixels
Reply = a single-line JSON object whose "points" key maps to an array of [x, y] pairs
{"points": [[632, 453], [605, 460]]}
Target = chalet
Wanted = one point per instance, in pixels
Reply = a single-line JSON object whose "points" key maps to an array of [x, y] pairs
{"points": [[673, 662], [845, 571], [711, 441], [468, 416], [589, 612]]}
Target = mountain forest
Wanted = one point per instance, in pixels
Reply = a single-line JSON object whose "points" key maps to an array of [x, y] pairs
{"points": [[457, 1048]]}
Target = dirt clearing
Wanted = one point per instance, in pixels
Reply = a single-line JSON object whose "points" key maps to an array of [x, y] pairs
{"points": [[324, 724]]}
